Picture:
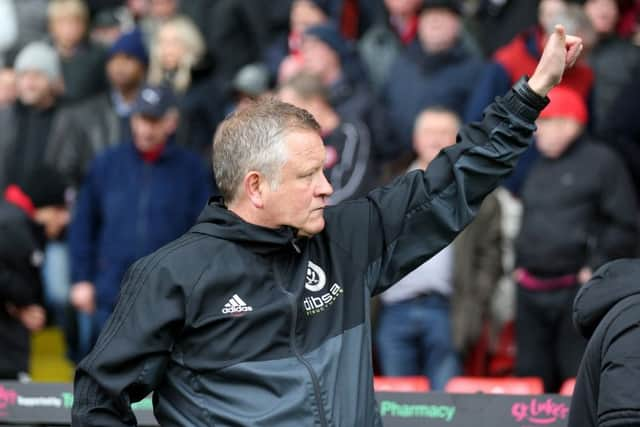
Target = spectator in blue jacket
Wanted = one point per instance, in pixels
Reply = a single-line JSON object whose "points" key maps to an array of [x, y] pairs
{"points": [[137, 196], [335, 61], [437, 69]]}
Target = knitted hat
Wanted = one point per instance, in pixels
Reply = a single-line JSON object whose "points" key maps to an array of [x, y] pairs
{"points": [[567, 103], [46, 187], [39, 56], [251, 79], [453, 5], [131, 44]]}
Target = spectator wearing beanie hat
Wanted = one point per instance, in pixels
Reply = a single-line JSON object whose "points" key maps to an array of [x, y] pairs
{"points": [[564, 119], [32, 116], [103, 120], [39, 57], [579, 211], [329, 57], [35, 118], [282, 57], [132, 44], [437, 69], [28, 216]]}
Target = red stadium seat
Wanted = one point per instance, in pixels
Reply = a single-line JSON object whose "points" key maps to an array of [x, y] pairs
{"points": [[567, 387], [404, 384], [490, 385]]}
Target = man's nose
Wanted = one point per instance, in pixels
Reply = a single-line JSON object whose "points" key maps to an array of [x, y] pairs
{"points": [[325, 189]]}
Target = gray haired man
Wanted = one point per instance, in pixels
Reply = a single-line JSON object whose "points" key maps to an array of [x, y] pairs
{"points": [[259, 314]]}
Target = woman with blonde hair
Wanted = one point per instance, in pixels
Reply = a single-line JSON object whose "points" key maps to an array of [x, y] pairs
{"points": [[179, 61], [177, 48]]}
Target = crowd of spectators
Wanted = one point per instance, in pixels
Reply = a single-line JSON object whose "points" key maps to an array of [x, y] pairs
{"points": [[122, 99]]}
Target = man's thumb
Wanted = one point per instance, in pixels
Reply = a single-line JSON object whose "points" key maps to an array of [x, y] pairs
{"points": [[559, 32]]}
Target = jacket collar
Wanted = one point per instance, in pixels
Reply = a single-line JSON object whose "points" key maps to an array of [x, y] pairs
{"points": [[218, 221], [610, 284]]}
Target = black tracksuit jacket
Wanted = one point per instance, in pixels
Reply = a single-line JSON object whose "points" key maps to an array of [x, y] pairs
{"points": [[239, 325], [606, 310]]}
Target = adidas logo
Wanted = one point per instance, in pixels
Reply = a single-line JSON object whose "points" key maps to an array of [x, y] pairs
{"points": [[236, 305]]}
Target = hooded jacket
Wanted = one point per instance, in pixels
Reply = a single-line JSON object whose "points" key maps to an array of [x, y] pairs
{"points": [[606, 310], [235, 324]]}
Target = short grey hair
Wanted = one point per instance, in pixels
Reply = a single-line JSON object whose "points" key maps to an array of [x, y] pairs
{"points": [[252, 139]]}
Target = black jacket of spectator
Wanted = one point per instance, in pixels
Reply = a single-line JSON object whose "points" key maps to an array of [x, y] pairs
{"points": [[83, 73], [615, 63], [240, 30], [81, 132], [607, 310], [418, 79], [579, 210], [23, 141], [621, 129], [21, 241]]}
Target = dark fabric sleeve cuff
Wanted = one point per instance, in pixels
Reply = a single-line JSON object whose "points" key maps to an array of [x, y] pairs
{"points": [[523, 101]]}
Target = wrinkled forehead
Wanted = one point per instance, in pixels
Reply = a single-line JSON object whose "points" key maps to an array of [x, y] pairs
{"points": [[304, 146]]}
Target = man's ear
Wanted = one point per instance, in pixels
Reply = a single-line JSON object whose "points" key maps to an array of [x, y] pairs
{"points": [[253, 187]]}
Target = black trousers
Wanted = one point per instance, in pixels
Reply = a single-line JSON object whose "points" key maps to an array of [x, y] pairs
{"points": [[547, 344]]}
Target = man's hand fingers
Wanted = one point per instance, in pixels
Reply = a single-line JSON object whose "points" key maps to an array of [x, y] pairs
{"points": [[571, 41], [573, 54]]}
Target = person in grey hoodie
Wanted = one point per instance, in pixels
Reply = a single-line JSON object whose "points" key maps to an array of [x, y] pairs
{"points": [[606, 310]]}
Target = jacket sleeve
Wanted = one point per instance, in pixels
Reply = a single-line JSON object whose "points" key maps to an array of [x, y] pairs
{"points": [[133, 350], [20, 282], [84, 226], [619, 378], [17, 289], [400, 226], [617, 231], [67, 146]]}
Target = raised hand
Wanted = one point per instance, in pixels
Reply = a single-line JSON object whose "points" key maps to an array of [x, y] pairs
{"points": [[560, 53]]}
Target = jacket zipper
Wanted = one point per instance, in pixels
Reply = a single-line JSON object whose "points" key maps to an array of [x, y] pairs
{"points": [[296, 352]]}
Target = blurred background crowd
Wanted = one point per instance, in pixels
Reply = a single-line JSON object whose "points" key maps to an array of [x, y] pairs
{"points": [[108, 110]]}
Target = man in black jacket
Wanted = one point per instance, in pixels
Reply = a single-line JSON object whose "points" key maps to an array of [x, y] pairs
{"points": [[28, 215], [260, 314], [605, 311], [579, 211]]}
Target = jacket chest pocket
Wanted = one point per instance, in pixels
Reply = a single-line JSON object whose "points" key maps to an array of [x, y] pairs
{"points": [[239, 330]]}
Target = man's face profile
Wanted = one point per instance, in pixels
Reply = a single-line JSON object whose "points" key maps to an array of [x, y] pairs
{"points": [[301, 195]]}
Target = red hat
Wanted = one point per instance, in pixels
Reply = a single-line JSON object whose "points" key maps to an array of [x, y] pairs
{"points": [[567, 103]]}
